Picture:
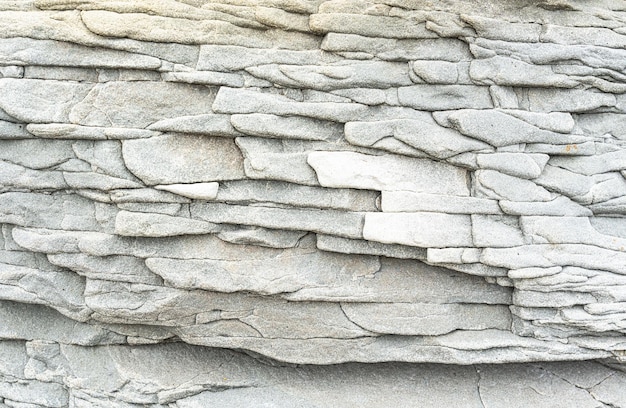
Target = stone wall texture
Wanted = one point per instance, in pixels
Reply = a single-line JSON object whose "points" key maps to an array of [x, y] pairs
{"points": [[312, 203]]}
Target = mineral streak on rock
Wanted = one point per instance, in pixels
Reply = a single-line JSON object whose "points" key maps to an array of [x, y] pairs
{"points": [[350, 191]]}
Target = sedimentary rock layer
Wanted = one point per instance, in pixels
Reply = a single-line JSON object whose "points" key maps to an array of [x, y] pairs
{"points": [[311, 182]]}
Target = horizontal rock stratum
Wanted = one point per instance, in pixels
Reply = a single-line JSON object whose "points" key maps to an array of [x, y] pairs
{"points": [[378, 183]]}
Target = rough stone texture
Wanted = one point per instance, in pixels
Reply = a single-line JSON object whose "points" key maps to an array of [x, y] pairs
{"points": [[311, 203]]}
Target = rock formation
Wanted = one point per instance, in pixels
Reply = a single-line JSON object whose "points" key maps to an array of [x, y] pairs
{"points": [[197, 197]]}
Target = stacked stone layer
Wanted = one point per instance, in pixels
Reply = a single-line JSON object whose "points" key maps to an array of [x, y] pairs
{"points": [[314, 182]]}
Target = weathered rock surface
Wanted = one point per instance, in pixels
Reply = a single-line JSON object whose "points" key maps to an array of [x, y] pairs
{"points": [[306, 203]]}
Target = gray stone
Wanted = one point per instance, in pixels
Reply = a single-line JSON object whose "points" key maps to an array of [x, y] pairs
{"points": [[276, 398], [252, 191], [427, 319], [499, 129], [286, 271], [104, 157], [275, 17], [271, 318], [609, 391], [369, 96], [424, 135], [205, 78], [614, 206], [453, 255], [570, 149], [501, 186], [232, 100], [67, 26], [561, 122], [390, 145], [493, 274], [31, 322], [33, 100], [167, 9], [332, 222], [145, 195], [61, 290], [407, 201], [234, 58], [50, 241], [493, 28], [25, 153], [567, 230], [566, 182], [154, 208], [568, 100], [398, 49], [370, 26], [144, 27], [528, 166], [355, 170], [390, 182], [548, 255], [13, 359], [209, 124], [67, 131], [97, 181], [34, 394], [376, 74], [531, 273], [355, 246], [139, 104], [12, 71], [600, 163], [560, 206], [136, 224], [121, 74], [511, 348], [422, 229], [195, 191], [445, 97], [493, 231], [504, 97], [583, 36], [58, 211], [268, 159], [282, 127], [550, 53], [27, 51], [609, 225], [599, 124], [439, 72], [512, 72], [183, 159], [10, 130], [264, 237], [12, 175], [408, 281], [500, 384], [115, 268]]}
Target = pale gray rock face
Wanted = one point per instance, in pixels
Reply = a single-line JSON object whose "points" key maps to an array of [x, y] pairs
{"points": [[424, 135], [183, 159], [355, 170], [27, 51], [308, 203], [281, 127], [37, 101], [444, 97], [141, 104]]}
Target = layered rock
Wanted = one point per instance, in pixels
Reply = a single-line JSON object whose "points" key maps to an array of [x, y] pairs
{"points": [[314, 182]]}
